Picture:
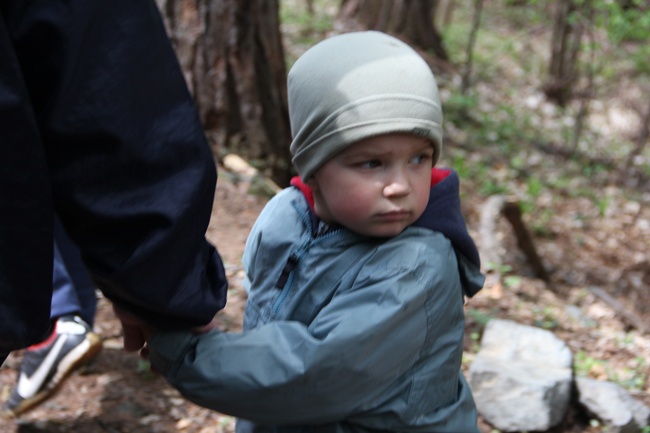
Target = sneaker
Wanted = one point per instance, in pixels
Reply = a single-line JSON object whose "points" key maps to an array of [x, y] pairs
{"points": [[45, 365]]}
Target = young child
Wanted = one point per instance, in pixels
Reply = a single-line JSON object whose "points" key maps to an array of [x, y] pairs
{"points": [[357, 273]]}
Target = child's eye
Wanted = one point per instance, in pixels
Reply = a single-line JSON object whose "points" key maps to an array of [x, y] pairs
{"points": [[371, 163], [421, 158]]}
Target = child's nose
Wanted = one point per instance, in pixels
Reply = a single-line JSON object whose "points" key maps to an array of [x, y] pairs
{"points": [[397, 185]]}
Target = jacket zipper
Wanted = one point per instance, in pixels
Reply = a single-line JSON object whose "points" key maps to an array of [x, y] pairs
{"points": [[285, 277]]}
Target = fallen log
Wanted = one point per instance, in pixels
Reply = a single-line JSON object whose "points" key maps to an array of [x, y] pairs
{"points": [[258, 184], [501, 206], [628, 317]]}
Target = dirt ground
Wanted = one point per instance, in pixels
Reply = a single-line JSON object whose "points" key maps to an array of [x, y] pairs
{"points": [[117, 392]]}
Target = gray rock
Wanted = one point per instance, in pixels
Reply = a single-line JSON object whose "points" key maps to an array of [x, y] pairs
{"points": [[613, 406], [521, 378]]}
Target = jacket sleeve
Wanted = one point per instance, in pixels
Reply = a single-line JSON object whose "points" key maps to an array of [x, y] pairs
{"points": [[349, 361], [132, 174]]}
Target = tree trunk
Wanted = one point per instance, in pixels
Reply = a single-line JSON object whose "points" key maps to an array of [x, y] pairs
{"points": [[466, 79], [641, 140], [232, 56], [442, 13], [565, 48], [410, 20]]}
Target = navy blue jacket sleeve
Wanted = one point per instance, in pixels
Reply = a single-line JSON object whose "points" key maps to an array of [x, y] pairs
{"points": [[131, 173]]}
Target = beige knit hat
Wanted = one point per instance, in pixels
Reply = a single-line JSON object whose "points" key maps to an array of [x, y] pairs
{"points": [[358, 85]]}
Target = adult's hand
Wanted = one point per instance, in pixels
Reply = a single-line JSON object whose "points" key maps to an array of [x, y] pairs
{"points": [[136, 330]]}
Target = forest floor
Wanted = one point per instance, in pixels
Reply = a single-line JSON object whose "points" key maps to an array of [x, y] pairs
{"points": [[117, 392]]}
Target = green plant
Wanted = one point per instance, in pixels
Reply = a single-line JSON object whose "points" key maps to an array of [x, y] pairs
{"points": [[603, 204], [524, 14], [500, 268], [545, 318], [457, 106], [302, 28], [475, 337], [512, 281], [584, 363], [634, 377], [492, 187], [594, 423], [534, 186], [143, 368], [541, 222], [480, 317], [459, 163]]}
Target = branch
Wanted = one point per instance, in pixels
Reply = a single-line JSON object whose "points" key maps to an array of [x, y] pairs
{"points": [[627, 316], [499, 205]]}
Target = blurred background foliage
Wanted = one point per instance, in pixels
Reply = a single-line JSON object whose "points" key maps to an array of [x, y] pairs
{"points": [[567, 78]]}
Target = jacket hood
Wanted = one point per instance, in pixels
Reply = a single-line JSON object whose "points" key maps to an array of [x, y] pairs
{"points": [[443, 213]]}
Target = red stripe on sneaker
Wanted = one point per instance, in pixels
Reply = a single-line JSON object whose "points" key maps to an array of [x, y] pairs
{"points": [[49, 340]]}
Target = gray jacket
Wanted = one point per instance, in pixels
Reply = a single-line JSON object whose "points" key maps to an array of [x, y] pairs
{"points": [[344, 333]]}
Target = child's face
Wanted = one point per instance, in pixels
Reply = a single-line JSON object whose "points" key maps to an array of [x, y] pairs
{"points": [[377, 186]]}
